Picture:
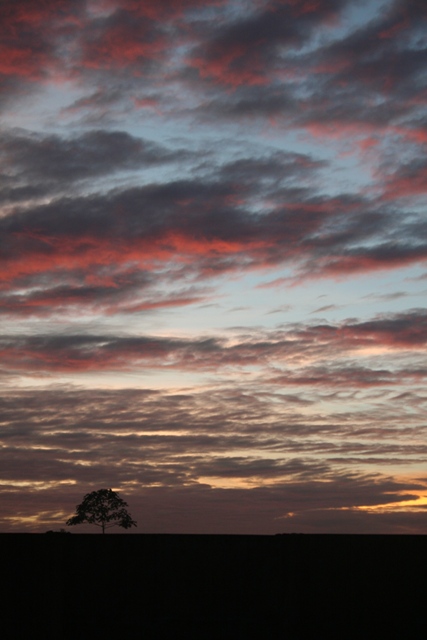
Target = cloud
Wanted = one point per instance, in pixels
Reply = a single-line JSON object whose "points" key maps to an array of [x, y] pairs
{"points": [[185, 229], [167, 148], [169, 453], [54, 159], [125, 293], [376, 53], [248, 51], [32, 36], [61, 40], [123, 39], [363, 88], [408, 180], [292, 346]]}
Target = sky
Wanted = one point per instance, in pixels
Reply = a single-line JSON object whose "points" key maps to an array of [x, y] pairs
{"points": [[213, 276]]}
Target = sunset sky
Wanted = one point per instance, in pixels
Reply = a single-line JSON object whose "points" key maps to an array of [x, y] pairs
{"points": [[213, 246]]}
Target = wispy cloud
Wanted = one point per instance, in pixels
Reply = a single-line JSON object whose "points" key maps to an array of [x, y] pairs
{"points": [[166, 167]]}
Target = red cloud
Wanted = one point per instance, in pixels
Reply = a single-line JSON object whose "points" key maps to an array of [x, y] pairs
{"points": [[301, 7], [122, 43], [288, 348], [134, 33], [197, 225], [402, 331], [342, 129], [88, 252], [166, 8], [412, 184], [231, 67], [148, 103], [392, 32], [28, 31], [18, 61], [108, 299], [362, 262]]}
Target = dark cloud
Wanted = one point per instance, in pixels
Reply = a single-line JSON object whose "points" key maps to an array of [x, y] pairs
{"points": [[201, 509], [249, 50], [384, 55], [250, 103], [168, 452], [408, 180], [123, 39], [209, 222], [346, 375], [38, 165], [258, 50], [294, 428], [90, 154], [127, 292], [401, 332], [77, 40], [356, 521], [33, 37], [365, 86], [272, 170]]}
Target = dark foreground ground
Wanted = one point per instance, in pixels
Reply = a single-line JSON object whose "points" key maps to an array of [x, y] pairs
{"points": [[189, 586]]}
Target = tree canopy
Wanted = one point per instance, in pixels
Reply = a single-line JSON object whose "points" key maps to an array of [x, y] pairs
{"points": [[103, 508]]}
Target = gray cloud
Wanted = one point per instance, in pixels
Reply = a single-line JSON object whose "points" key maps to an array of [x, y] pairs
{"points": [[116, 234], [38, 164], [293, 428], [292, 344], [161, 450]]}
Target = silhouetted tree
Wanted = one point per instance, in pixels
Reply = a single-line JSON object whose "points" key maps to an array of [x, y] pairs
{"points": [[103, 508]]}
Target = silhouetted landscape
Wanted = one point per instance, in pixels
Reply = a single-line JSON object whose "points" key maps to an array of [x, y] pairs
{"points": [[213, 277], [155, 586]]}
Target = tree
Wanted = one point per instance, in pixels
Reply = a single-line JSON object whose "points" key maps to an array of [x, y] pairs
{"points": [[103, 508]]}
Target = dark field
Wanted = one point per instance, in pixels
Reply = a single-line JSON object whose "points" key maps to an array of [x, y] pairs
{"points": [[190, 586]]}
